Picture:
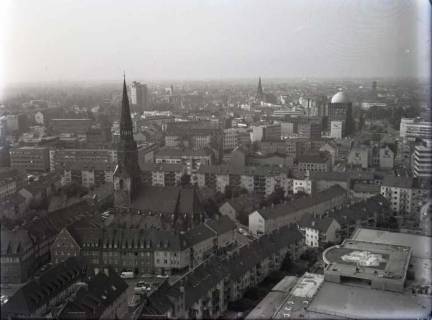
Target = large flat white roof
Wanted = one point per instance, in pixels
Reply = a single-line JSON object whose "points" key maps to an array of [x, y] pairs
{"points": [[337, 300]]}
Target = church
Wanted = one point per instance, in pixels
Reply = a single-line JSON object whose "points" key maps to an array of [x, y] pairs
{"points": [[177, 208]]}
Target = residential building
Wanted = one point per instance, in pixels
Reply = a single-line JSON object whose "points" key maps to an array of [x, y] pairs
{"points": [[206, 291], [302, 185], [87, 167], [320, 231], [131, 242], [103, 295], [42, 295], [239, 207], [255, 179], [196, 135], [192, 159], [405, 194], [314, 162], [26, 248], [266, 220], [369, 212], [163, 174]]}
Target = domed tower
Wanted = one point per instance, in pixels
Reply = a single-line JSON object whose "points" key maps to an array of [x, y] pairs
{"points": [[340, 113], [127, 174]]}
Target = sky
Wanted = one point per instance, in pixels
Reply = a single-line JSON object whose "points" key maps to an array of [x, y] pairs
{"points": [[59, 40]]}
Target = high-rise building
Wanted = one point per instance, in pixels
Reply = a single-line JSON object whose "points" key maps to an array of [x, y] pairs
{"points": [[422, 162], [374, 88], [139, 97], [412, 128], [340, 109], [309, 129]]}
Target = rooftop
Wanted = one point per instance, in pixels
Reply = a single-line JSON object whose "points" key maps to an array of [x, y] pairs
{"points": [[302, 203], [367, 260], [421, 250], [336, 300], [273, 300]]}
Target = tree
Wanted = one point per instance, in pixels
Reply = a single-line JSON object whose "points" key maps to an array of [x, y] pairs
{"points": [[277, 196], [389, 223], [286, 263], [185, 180]]}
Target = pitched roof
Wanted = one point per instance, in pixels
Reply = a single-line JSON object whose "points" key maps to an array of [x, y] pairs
{"points": [[321, 224], [91, 301], [38, 292], [221, 225], [376, 205], [302, 203], [198, 234], [200, 280], [320, 157]]}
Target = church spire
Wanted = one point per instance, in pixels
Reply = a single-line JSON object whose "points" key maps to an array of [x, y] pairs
{"points": [[127, 174], [126, 129], [260, 93]]}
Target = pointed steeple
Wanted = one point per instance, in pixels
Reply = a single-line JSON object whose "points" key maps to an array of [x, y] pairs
{"points": [[127, 174], [126, 128], [260, 93]]}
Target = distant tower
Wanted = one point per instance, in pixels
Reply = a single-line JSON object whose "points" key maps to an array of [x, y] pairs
{"points": [[127, 172], [172, 90], [260, 93], [374, 89]]}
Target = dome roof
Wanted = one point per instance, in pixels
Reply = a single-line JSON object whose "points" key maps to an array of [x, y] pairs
{"points": [[340, 97]]}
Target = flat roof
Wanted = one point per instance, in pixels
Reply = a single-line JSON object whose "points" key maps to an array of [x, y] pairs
{"points": [[368, 259], [273, 300], [421, 245], [338, 300], [421, 250], [300, 296]]}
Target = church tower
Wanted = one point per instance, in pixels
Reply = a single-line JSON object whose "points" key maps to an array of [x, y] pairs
{"points": [[127, 174], [260, 93]]}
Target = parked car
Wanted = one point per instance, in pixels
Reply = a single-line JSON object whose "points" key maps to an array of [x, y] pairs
{"points": [[127, 275]]}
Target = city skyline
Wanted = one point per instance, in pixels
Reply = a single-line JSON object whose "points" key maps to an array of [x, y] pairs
{"points": [[214, 40]]}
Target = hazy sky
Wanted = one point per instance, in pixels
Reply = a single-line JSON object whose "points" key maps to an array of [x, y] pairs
{"points": [[50, 40]]}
